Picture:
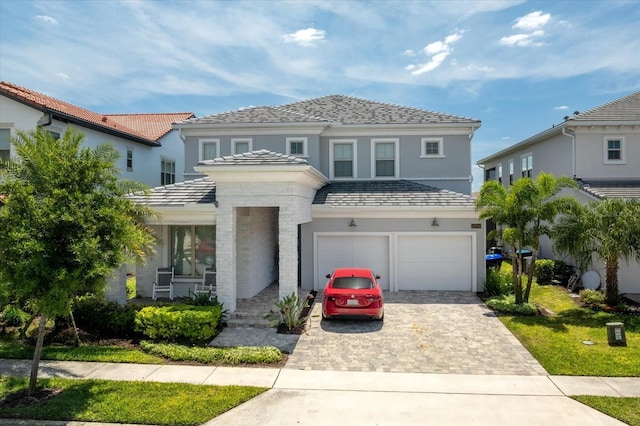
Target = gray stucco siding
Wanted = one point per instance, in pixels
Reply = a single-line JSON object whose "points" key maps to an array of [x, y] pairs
{"points": [[590, 154]]}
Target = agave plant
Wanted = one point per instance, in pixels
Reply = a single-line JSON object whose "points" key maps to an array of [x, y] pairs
{"points": [[289, 312]]}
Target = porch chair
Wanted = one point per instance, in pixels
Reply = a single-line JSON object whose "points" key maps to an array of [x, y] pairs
{"points": [[207, 285], [163, 282]]}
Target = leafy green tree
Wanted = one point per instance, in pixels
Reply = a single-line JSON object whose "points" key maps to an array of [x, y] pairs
{"points": [[608, 229], [522, 214], [66, 223]]}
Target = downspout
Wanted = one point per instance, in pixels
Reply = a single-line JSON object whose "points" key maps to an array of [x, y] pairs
{"points": [[573, 150], [473, 130], [42, 123]]}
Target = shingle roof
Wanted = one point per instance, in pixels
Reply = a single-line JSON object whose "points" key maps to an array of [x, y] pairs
{"points": [[388, 194], [626, 188], [197, 191], [148, 127], [334, 109], [623, 109], [154, 126], [262, 156]]}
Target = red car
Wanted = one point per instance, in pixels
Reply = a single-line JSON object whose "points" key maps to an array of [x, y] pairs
{"points": [[353, 292]]}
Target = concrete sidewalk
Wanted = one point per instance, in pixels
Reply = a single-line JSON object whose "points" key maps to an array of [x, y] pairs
{"points": [[310, 396]]}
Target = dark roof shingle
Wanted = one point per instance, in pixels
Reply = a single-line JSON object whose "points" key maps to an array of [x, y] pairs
{"points": [[624, 109], [395, 193], [196, 191], [625, 188], [262, 156]]}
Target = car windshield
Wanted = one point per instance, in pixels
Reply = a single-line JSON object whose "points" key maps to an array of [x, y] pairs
{"points": [[352, 282]]}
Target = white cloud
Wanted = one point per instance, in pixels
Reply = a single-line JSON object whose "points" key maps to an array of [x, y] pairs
{"points": [[438, 52], [306, 37], [47, 19], [409, 52], [532, 21], [522, 40], [561, 107], [62, 75]]}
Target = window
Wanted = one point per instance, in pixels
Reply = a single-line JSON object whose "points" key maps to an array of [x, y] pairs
{"points": [[241, 146], [56, 135], [527, 165], [432, 147], [209, 149], [129, 159], [342, 161], [167, 172], [499, 172], [5, 143], [614, 150], [510, 171], [385, 157], [192, 249], [297, 146], [490, 174]]}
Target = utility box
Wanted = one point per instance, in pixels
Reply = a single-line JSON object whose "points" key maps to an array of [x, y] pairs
{"points": [[615, 334]]}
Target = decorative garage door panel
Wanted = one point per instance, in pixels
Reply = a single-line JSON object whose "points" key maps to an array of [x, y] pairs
{"points": [[367, 251], [434, 262]]}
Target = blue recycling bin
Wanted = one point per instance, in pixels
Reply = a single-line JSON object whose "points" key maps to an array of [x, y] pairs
{"points": [[493, 260]]}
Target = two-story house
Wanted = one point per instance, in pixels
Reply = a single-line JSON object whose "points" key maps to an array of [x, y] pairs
{"points": [[151, 152], [288, 193], [600, 148]]}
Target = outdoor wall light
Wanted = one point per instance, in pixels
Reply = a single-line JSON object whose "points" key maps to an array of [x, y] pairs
{"points": [[352, 224], [434, 222]]}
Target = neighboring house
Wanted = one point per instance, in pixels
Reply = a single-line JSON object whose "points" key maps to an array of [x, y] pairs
{"points": [[150, 150], [288, 193], [600, 148]]}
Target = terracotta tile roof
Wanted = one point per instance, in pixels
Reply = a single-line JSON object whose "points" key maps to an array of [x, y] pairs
{"points": [[624, 109], [262, 156], [334, 109], [620, 188], [147, 128], [196, 191], [394, 193], [154, 126]]}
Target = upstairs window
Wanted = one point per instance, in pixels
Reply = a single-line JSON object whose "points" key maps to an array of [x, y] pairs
{"points": [[5, 144], [385, 160], [527, 165], [499, 172], [209, 149], [241, 146], [431, 147], [510, 171], [129, 159], [614, 150], [342, 160], [167, 172], [297, 147]]}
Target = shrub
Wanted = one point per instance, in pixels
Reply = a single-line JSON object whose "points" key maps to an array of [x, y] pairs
{"points": [[507, 304], [13, 316], [184, 323], [208, 355], [289, 312], [497, 283], [544, 271], [563, 271], [592, 297], [106, 319]]}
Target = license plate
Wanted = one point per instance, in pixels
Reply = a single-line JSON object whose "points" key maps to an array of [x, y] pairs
{"points": [[352, 302]]}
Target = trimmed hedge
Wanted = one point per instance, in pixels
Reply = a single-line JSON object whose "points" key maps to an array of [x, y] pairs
{"points": [[544, 271], [179, 323], [106, 319]]}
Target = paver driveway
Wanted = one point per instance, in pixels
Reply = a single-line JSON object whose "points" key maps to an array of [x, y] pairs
{"points": [[423, 332]]}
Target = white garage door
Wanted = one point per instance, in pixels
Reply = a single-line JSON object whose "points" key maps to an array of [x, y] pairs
{"points": [[367, 251], [434, 262]]}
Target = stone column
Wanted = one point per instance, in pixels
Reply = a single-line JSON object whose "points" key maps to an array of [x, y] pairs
{"points": [[288, 249], [116, 290], [226, 257]]}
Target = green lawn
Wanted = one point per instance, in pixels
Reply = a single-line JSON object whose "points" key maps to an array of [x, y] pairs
{"points": [[624, 409], [557, 341], [128, 402]]}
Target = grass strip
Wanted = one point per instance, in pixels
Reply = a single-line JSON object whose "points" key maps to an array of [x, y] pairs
{"points": [[127, 402], [626, 410]]}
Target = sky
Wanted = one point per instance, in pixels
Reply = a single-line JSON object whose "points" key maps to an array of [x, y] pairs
{"points": [[518, 66]]}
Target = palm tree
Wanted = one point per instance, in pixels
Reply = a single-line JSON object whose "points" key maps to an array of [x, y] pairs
{"points": [[522, 214], [608, 229]]}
